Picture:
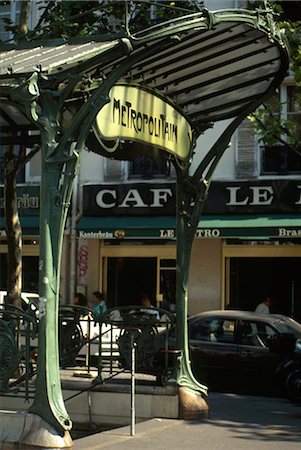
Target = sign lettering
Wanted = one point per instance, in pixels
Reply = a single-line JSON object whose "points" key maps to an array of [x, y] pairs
{"points": [[137, 114]]}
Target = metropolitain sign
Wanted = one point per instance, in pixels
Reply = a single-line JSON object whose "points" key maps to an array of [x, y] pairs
{"points": [[137, 114]]}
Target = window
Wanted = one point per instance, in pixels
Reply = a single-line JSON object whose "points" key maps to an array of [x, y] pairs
{"points": [[293, 110], [10, 10], [283, 159], [33, 168], [168, 283], [147, 168], [255, 333], [214, 330], [141, 168], [279, 159]]}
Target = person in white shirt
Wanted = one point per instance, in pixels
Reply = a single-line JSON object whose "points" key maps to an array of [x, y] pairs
{"points": [[264, 306]]}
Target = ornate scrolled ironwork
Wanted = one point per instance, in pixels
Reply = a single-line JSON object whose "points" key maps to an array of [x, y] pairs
{"points": [[72, 336], [149, 330], [16, 329]]}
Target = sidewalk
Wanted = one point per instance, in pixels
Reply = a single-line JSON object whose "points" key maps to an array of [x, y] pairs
{"points": [[237, 422]]}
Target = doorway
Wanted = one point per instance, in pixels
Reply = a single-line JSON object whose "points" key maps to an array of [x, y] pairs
{"points": [[128, 278], [30, 273], [253, 278]]}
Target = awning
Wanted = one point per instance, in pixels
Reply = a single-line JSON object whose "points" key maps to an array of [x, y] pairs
{"points": [[164, 227], [29, 224]]}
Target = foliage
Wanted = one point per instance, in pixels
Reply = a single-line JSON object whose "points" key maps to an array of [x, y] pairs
{"points": [[66, 19], [271, 126]]}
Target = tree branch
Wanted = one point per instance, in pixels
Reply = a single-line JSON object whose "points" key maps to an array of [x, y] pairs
{"points": [[262, 125]]}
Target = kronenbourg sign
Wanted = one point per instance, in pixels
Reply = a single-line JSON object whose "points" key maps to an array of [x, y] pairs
{"points": [[137, 114]]}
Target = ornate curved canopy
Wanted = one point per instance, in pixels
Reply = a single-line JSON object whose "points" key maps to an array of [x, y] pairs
{"points": [[212, 66]]}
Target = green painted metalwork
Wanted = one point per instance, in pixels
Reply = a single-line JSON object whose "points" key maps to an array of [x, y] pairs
{"points": [[61, 150], [16, 329], [9, 354], [150, 332], [192, 191], [59, 166]]}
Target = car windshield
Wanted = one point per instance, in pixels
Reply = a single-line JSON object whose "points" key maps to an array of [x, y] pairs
{"points": [[288, 326]]}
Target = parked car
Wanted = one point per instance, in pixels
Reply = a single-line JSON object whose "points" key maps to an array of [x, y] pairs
{"points": [[240, 351], [243, 350]]}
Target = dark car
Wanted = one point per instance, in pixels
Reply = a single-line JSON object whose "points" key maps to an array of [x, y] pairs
{"points": [[243, 350], [229, 350]]}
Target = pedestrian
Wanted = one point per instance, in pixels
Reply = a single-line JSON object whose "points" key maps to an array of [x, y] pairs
{"points": [[264, 306], [98, 303], [148, 307], [80, 299]]}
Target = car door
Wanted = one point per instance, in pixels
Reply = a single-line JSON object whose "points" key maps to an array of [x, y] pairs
{"points": [[256, 363], [213, 349]]}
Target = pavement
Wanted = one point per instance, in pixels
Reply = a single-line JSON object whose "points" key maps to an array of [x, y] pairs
{"points": [[236, 422]]}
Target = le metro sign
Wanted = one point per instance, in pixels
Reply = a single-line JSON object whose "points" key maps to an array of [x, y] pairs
{"points": [[139, 115]]}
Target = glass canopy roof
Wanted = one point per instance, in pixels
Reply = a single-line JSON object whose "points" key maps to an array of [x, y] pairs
{"points": [[212, 66]]}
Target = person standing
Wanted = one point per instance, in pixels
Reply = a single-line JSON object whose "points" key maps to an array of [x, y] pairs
{"points": [[264, 306]]}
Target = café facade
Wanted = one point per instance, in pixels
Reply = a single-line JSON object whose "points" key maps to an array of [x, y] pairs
{"points": [[247, 244]]}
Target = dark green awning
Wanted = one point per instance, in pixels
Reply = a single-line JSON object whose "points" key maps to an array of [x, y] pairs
{"points": [[164, 227], [29, 224]]}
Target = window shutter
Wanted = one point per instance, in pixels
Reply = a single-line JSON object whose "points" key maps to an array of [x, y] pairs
{"points": [[115, 170], [246, 151]]}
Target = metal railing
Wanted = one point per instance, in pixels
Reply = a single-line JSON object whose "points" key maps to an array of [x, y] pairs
{"points": [[100, 347], [102, 343], [18, 343]]}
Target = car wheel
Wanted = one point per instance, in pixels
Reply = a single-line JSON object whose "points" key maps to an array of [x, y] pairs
{"points": [[293, 386]]}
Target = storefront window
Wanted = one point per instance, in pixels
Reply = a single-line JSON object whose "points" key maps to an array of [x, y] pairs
{"points": [[168, 283]]}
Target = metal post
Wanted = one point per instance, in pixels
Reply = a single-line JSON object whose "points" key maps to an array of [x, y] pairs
{"points": [[293, 298], [133, 412]]}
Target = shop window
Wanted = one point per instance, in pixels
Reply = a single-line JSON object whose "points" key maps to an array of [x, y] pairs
{"points": [[168, 283]]}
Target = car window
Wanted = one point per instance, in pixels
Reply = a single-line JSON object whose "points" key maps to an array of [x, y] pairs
{"points": [[255, 333], [213, 329], [288, 325]]}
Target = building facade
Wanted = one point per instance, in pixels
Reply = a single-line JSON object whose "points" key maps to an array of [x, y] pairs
{"points": [[247, 244]]}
